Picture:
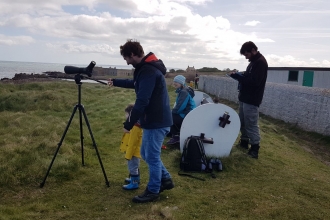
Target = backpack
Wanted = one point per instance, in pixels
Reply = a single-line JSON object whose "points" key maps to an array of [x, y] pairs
{"points": [[193, 158]]}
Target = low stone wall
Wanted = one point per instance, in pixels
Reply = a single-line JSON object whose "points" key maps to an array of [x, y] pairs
{"points": [[307, 107]]}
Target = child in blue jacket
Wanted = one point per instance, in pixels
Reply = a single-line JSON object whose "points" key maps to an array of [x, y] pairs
{"points": [[183, 105]]}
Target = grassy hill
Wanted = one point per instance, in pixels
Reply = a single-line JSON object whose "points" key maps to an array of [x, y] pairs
{"points": [[290, 180]]}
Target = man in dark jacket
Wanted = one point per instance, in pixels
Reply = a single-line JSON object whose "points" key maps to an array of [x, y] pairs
{"points": [[251, 90], [152, 109]]}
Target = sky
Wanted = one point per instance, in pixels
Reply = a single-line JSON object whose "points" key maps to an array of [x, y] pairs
{"points": [[182, 33]]}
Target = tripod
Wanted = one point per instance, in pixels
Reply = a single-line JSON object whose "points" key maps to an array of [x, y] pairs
{"points": [[81, 109]]}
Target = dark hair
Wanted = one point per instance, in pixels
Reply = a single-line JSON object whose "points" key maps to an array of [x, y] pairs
{"points": [[247, 47], [129, 108], [131, 47]]}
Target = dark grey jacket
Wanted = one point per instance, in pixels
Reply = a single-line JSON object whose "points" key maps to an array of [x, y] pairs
{"points": [[253, 81]]}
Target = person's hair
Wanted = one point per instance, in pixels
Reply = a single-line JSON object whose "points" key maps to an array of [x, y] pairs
{"points": [[129, 108], [131, 47], [247, 47]]}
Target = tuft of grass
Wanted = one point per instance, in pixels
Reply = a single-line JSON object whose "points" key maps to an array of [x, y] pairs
{"points": [[290, 180]]}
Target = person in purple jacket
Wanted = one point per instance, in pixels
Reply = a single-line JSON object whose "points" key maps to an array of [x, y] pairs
{"points": [[152, 109]]}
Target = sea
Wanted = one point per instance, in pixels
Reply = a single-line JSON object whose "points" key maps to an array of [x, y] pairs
{"points": [[8, 69]]}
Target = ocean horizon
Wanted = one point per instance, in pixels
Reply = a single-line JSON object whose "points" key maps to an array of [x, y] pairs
{"points": [[8, 69]]}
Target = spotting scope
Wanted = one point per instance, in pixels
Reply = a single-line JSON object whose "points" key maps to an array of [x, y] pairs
{"points": [[78, 70]]}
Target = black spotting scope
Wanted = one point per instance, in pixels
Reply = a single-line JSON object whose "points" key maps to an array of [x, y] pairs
{"points": [[77, 70]]}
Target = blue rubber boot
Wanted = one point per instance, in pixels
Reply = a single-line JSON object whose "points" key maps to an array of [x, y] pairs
{"points": [[128, 179], [134, 184]]}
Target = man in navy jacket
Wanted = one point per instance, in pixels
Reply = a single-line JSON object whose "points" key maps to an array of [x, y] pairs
{"points": [[152, 109], [251, 90]]}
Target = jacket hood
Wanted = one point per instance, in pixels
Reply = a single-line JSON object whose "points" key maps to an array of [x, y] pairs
{"points": [[189, 89], [151, 59]]}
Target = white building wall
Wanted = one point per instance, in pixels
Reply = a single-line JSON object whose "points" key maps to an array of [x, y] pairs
{"points": [[300, 79], [277, 76], [321, 78]]}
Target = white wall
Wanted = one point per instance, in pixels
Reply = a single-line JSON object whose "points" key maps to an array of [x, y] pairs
{"points": [[307, 107]]}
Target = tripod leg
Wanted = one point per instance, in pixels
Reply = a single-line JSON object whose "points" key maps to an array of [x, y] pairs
{"points": [[81, 135], [94, 144], [59, 145]]}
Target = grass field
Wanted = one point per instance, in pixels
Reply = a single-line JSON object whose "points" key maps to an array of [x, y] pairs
{"points": [[290, 180]]}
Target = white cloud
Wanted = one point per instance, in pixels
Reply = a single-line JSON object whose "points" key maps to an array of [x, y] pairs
{"points": [[182, 32], [290, 61], [74, 47], [15, 40], [252, 23], [326, 63], [196, 2], [213, 33]]}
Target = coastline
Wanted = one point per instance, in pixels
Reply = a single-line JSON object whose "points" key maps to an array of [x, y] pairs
{"points": [[8, 69], [46, 76]]}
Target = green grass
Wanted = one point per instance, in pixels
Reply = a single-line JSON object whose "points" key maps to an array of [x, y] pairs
{"points": [[290, 180]]}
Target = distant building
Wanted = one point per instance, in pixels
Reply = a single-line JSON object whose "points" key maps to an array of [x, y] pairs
{"points": [[125, 72], [100, 71], [191, 70], [302, 76], [110, 71]]}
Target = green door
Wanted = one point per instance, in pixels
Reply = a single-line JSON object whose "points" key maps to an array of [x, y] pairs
{"points": [[308, 78]]}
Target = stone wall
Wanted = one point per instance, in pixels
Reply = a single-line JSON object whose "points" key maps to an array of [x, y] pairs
{"points": [[307, 107]]}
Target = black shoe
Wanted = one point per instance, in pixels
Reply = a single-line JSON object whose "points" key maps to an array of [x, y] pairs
{"points": [[174, 140], [146, 196], [244, 144], [254, 151], [167, 184], [253, 154]]}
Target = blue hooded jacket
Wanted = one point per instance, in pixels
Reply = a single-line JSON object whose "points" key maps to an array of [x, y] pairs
{"points": [[184, 101], [152, 104]]}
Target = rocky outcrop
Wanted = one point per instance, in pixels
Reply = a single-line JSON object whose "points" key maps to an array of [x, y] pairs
{"points": [[20, 76]]}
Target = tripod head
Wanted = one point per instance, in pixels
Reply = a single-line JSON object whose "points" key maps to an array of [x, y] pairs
{"points": [[78, 78]]}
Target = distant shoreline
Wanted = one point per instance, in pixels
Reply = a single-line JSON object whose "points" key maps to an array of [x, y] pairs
{"points": [[47, 76]]}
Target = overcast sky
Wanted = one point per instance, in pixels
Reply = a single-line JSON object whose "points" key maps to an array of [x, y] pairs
{"points": [[199, 33]]}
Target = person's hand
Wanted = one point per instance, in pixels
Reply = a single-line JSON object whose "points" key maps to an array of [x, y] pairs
{"points": [[110, 82], [234, 75], [126, 131]]}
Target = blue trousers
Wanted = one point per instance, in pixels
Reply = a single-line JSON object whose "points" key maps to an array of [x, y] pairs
{"points": [[152, 140], [133, 166]]}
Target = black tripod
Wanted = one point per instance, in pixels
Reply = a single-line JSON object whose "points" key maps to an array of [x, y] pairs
{"points": [[79, 106]]}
